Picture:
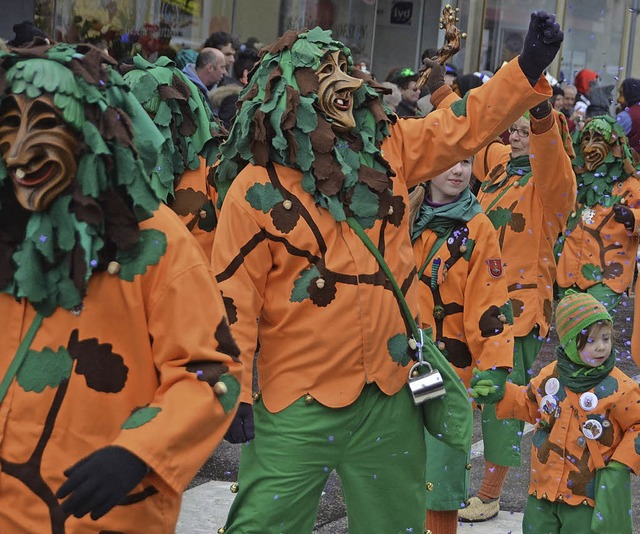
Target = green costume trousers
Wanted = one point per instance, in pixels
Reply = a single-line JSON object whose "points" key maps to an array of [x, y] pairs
{"points": [[447, 476], [545, 517], [502, 437], [376, 445]]}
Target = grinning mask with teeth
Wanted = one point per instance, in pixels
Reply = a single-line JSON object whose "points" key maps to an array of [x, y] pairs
{"points": [[335, 91], [38, 149]]}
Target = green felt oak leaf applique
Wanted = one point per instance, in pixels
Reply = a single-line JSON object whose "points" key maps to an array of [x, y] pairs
{"points": [[46, 368], [141, 416], [263, 197]]}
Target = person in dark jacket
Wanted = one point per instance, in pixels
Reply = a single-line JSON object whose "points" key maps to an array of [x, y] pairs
{"points": [[629, 117]]}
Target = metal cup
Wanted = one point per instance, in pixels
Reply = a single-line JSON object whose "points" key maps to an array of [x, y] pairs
{"points": [[425, 386]]}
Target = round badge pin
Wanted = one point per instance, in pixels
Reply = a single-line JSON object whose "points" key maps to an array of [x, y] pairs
{"points": [[552, 386], [581, 441], [592, 429], [548, 404], [588, 401]]}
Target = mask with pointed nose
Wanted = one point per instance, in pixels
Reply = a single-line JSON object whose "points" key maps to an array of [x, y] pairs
{"points": [[38, 149], [335, 91], [594, 149]]}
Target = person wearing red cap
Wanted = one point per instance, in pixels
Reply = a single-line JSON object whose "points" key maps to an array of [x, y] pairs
{"points": [[583, 82]]}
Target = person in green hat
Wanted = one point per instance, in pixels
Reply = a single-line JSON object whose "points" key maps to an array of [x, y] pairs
{"points": [[587, 420]]}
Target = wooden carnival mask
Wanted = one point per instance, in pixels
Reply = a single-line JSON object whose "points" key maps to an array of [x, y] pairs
{"points": [[594, 149], [38, 149], [335, 91]]}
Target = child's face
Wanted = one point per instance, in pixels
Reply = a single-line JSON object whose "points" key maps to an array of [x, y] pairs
{"points": [[598, 346]]}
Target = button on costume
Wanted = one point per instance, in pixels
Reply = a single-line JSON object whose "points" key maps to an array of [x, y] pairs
{"points": [[120, 373]]}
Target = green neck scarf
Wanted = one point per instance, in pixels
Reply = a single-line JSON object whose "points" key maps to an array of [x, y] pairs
{"points": [[581, 378], [441, 219], [519, 166]]}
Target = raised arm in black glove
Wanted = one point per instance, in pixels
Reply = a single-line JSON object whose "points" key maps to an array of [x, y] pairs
{"points": [[541, 45], [241, 429], [436, 77], [624, 215], [100, 481]]}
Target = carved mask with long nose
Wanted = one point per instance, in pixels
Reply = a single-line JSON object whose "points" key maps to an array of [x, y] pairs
{"points": [[335, 91], [38, 149]]}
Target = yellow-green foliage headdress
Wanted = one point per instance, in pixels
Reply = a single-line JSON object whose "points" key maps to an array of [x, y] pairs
{"points": [[278, 121], [48, 256]]}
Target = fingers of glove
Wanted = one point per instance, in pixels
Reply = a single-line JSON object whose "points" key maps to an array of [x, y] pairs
{"points": [[235, 434], [82, 499], [105, 505], [76, 476], [430, 63]]}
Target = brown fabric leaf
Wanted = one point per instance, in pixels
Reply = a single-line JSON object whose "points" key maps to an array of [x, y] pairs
{"points": [[274, 76], [399, 208], [249, 95], [375, 180], [231, 309], [91, 66], [284, 220], [490, 324], [188, 201], [169, 92], [226, 343], [288, 120], [115, 124], [207, 371], [181, 86], [322, 138], [307, 80], [292, 145], [85, 208], [329, 176], [457, 352], [378, 111], [188, 126], [284, 42], [3, 82], [258, 142], [616, 150], [78, 268], [518, 307], [121, 225]]}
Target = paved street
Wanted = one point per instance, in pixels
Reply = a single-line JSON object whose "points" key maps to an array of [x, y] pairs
{"points": [[207, 501]]}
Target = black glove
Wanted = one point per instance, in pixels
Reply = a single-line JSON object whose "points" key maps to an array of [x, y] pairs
{"points": [[624, 215], [541, 45], [436, 76], [100, 481], [541, 110], [241, 429]]}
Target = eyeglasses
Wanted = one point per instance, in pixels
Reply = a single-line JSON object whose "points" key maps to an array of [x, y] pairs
{"points": [[520, 131]]}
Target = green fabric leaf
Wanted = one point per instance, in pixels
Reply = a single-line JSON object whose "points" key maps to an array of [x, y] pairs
{"points": [[163, 115], [459, 107], [398, 349], [335, 207], [44, 369], [306, 54], [148, 251], [591, 272], [507, 310], [470, 244], [318, 35], [306, 115], [499, 217], [364, 202], [607, 387], [141, 416], [208, 223], [300, 292], [263, 197], [230, 398]]}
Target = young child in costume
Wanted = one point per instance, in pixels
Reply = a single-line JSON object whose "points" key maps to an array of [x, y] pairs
{"points": [[312, 154], [464, 297], [587, 417], [528, 191], [598, 252], [120, 375]]}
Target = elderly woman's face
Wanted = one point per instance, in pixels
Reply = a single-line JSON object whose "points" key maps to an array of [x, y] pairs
{"points": [[38, 149], [335, 91]]}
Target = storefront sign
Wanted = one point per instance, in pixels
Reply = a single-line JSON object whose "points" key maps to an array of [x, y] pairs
{"points": [[188, 6], [401, 12]]}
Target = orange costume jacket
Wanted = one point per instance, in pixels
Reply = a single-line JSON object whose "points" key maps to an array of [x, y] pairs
{"points": [[529, 212], [328, 321], [607, 416], [469, 309], [136, 369], [194, 201], [598, 249]]}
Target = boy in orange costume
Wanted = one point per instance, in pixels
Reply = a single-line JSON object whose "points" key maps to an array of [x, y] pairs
{"points": [[312, 145], [587, 421], [528, 191], [119, 371], [463, 294]]}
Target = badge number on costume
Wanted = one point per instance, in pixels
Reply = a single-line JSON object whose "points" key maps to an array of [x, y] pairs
{"points": [[588, 401], [592, 429], [495, 267]]}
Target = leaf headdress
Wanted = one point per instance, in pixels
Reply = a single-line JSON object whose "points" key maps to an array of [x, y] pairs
{"points": [[49, 256], [596, 187], [178, 110], [278, 121]]}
